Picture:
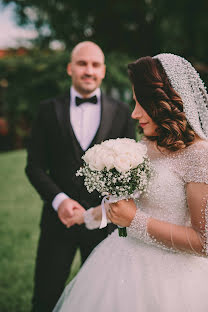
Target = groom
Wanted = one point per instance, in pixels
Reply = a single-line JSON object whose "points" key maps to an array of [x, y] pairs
{"points": [[65, 127]]}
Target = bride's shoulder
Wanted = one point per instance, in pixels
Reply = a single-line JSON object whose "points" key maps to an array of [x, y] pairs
{"points": [[197, 149], [196, 159]]}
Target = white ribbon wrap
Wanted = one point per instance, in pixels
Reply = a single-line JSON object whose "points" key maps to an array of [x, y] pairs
{"points": [[109, 200], [113, 199], [104, 220]]}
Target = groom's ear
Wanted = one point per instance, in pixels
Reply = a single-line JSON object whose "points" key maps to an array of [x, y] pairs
{"points": [[68, 69]]}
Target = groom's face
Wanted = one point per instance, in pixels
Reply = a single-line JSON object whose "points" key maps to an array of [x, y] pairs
{"points": [[87, 69]]}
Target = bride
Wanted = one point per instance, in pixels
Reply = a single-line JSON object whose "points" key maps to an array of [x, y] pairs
{"points": [[162, 264]]}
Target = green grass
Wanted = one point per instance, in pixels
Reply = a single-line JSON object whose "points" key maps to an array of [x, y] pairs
{"points": [[20, 208]]}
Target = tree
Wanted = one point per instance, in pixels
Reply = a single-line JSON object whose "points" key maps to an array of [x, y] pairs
{"points": [[135, 27]]}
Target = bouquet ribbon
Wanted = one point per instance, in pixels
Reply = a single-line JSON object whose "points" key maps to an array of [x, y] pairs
{"points": [[113, 199], [104, 220], [108, 199]]}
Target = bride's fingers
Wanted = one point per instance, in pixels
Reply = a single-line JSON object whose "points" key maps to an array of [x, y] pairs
{"points": [[113, 208], [111, 216]]}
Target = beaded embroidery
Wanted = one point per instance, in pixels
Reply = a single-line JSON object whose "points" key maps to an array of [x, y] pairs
{"points": [[187, 83], [166, 199], [166, 196]]}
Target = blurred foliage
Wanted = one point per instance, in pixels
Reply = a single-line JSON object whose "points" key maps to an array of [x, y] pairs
{"points": [[28, 79], [31, 78], [125, 30], [134, 27]]}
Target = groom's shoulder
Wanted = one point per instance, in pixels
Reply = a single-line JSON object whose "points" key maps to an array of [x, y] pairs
{"points": [[49, 104], [52, 101]]}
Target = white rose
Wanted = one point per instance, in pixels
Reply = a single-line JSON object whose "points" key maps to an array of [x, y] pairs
{"points": [[91, 157], [97, 164], [122, 164], [119, 148], [109, 160], [90, 153], [133, 159], [121, 153], [108, 143]]}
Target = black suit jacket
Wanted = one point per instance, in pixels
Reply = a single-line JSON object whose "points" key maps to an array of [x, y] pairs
{"points": [[54, 154]]}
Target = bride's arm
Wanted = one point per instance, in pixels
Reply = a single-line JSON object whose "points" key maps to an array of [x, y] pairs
{"points": [[191, 238]]}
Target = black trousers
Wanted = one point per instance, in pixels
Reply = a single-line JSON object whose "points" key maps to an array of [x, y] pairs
{"points": [[56, 251]]}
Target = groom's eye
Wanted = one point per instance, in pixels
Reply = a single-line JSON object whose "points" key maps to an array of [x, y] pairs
{"points": [[81, 63]]}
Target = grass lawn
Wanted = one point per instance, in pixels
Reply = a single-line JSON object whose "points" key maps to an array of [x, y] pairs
{"points": [[20, 208]]}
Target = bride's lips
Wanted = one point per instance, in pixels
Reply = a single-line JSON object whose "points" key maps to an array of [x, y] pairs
{"points": [[143, 124]]}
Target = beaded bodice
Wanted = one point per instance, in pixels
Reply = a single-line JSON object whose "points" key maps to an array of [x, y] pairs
{"points": [[176, 202], [166, 196]]}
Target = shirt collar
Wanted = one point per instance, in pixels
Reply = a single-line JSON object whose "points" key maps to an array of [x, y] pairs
{"points": [[74, 93]]}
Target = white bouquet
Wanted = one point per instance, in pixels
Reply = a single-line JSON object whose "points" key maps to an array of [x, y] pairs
{"points": [[118, 169]]}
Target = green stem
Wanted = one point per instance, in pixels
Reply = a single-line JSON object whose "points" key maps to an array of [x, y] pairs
{"points": [[122, 231]]}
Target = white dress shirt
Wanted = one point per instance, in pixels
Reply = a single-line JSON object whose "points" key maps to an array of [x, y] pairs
{"points": [[85, 121]]}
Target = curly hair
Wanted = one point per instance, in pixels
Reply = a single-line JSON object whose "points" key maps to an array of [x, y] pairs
{"points": [[155, 94]]}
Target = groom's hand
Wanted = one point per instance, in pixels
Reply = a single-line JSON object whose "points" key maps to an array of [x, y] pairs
{"points": [[66, 210]]}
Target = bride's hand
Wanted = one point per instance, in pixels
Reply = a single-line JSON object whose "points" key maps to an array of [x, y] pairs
{"points": [[122, 212], [97, 213]]}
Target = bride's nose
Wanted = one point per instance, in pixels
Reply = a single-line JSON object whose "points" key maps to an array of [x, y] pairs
{"points": [[137, 113]]}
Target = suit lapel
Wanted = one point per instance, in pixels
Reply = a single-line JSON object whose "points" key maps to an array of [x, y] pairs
{"points": [[108, 111], [63, 116]]}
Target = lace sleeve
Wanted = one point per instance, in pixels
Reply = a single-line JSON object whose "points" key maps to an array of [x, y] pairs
{"points": [[196, 167], [193, 238], [92, 218], [91, 222]]}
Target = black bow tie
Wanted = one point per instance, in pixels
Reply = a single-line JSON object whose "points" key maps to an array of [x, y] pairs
{"points": [[80, 101]]}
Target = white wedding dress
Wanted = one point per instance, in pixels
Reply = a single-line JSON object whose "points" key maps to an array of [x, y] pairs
{"points": [[129, 274]]}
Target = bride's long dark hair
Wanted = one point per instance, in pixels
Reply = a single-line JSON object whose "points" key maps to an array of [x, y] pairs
{"points": [[161, 102]]}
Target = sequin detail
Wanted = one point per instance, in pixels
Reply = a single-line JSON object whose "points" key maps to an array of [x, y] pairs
{"points": [[138, 226], [187, 83], [206, 228], [204, 225], [166, 199]]}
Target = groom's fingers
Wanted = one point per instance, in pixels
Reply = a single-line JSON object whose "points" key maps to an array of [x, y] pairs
{"points": [[66, 211], [78, 206], [64, 217], [70, 223]]}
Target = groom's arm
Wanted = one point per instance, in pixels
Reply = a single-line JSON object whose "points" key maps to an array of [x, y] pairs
{"points": [[37, 159], [37, 167]]}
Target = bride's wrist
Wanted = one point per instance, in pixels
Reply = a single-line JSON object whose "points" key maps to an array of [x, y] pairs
{"points": [[97, 213], [90, 219], [138, 226]]}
